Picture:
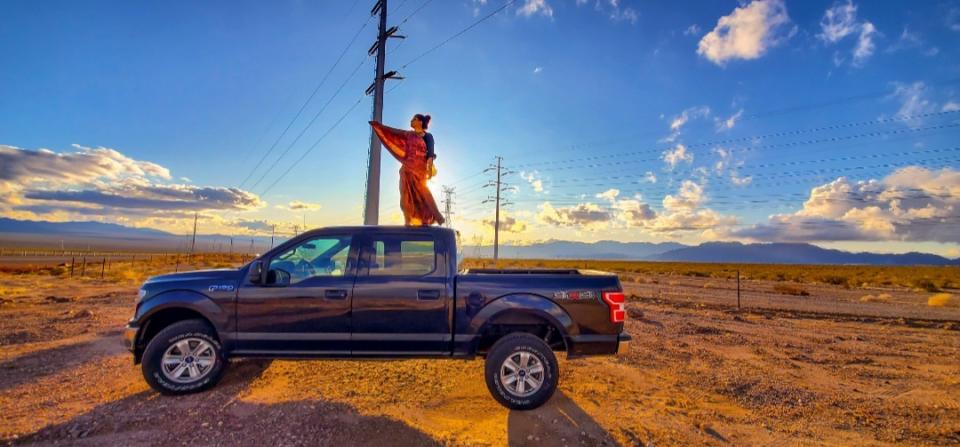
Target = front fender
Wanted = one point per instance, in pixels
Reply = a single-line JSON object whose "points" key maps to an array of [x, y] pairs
{"points": [[526, 303], [183, 299]]}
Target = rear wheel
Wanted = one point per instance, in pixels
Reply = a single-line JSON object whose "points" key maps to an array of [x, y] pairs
{"points": [[521, 371], [183, 358]]}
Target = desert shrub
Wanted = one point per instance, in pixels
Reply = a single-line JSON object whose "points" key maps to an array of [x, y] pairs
{"points": [[697, 273], [790, 289], [926, 285], [943, 300], [836, 280], [881, 298]]}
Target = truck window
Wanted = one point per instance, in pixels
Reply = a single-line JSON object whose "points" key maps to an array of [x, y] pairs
{"points": [[398, 256], [322, 256]]}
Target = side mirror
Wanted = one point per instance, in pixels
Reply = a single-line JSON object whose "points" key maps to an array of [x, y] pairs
{"points": [[277, 277], [256, 272]]}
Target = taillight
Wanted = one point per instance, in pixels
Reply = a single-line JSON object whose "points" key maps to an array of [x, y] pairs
{"points": [[618, 306]]}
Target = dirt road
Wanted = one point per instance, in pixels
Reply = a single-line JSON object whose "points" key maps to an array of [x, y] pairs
{"points": [[692, 376]]}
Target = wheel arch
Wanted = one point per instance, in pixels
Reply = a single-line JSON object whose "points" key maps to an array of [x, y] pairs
{"points": [[168, 308], [521, 311]]}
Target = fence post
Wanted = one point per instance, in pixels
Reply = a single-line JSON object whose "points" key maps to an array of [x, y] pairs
{"points": [[103, 267], [73, 260], [738, 289], [83, 267], [177, 268]]}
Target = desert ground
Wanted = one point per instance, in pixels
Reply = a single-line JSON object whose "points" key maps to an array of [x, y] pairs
{"points": [[839, 365]]}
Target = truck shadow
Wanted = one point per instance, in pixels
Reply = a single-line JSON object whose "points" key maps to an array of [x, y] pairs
{"points": [[558, 422], [37, 364], [220, 417]]}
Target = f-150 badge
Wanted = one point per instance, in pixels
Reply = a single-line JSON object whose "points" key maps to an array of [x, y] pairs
{"points": [[574, 295], [220, 288]]}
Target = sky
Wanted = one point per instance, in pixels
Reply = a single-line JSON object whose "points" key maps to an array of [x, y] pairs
{"points": [[834, 123]]}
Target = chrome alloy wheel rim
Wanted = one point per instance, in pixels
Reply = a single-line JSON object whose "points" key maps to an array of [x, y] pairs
{"points": [[522, 374], [188, 360]]}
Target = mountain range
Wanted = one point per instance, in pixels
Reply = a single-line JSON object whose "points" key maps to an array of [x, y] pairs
{"points": [[99, 235]]}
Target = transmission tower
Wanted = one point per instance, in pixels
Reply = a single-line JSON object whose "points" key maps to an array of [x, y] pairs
{"points": [[448, 193], [497, 198]]}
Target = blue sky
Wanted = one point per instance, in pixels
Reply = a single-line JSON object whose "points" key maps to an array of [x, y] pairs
{"points": [[741, 111]]}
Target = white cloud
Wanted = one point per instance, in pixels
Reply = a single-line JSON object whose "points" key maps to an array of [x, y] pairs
{"points": [[913, 100], [747, 33], [609, 195], [840, 21], [729, 122], [689, 197], [533, 7], [533, 178], [911, 204], [298, 205], [692, 30], [693, 112], [586, 216], [950, 106], [740, 181], [676, 155], [537, 70], [103, 181], [650, 177]]}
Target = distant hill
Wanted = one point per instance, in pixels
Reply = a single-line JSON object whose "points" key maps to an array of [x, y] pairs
{"points": [[781, 253], [555, 249], [87, 228]]}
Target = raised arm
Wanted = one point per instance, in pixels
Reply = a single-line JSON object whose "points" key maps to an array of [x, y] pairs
{"points": [[393, 139]]}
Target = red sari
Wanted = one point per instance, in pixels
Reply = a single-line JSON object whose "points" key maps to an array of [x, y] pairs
{"points": [[410, 150]]}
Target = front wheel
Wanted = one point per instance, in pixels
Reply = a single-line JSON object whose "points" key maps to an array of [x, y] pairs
{"points": [[521, 371], [183, 358]]}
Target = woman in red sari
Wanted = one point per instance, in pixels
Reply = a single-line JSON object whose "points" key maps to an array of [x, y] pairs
{"points": [[414, 150]]}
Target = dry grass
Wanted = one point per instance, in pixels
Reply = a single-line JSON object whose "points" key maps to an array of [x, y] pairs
{"points": [[125, 271], [927, 278], [943, 300], [881, 298], [790, 289]]}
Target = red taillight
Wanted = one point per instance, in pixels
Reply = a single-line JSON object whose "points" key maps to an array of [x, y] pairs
{"points": [[618, 306]]}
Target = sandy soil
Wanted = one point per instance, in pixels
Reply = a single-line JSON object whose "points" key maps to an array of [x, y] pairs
{"points": [[697, 373]]}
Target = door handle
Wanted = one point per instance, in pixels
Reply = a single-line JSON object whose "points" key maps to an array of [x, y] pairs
{"points": [[428, 294], [335, 294]]}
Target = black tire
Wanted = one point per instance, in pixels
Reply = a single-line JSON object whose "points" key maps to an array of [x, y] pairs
{"points": [[168, 337], [509, 346]]}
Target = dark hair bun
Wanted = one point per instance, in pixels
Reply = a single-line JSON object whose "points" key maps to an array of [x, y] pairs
{"points": [[426, 121]]}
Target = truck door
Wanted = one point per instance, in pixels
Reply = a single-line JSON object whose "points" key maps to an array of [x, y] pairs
{"points": [[303, 307], [401, 299]]}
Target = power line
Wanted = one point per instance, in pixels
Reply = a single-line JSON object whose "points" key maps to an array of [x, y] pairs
{"points": [[312, 121], [458, 34], [313, 146], [747, 138], [305, 103]]}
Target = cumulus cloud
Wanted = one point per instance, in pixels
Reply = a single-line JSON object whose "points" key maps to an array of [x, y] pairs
{"points": [[675, 156], [586, 216], [255, 226], [911, 204], [747, 33], [950, 106], [534, 7], [533, 178], [99, 181], [609, 195], [840, 21], [508, 224], [650, 177], [298, 205]]}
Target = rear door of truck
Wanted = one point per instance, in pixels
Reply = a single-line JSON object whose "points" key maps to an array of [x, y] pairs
{"points": [[402, 295]]}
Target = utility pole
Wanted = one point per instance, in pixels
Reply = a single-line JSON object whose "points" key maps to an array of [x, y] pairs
{"points": [[448, 193], [273, 232], [371, 213], [500, 186], [193, 243], [231, 245]]}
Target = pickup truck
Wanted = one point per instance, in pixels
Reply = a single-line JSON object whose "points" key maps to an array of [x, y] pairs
{"points": [[375, 292]]}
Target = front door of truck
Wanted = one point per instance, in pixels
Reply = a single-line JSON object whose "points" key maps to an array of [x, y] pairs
{"points": [[401, 300], [303, 306]]}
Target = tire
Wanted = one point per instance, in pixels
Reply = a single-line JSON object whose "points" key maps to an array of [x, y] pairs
{"points": [[202, 351], [519, 347]]}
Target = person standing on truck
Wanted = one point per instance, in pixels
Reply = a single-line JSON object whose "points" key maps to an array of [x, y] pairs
{"points": [[414, 149]]}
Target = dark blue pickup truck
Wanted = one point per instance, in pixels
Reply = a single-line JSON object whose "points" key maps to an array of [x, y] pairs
{"points": [[375, 292]]}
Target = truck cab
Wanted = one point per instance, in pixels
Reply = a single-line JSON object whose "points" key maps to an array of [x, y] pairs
{"points": [[375, 292]]}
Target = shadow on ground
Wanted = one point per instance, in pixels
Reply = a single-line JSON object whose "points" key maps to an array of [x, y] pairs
{"points": [[219, 417], [558, 422]]}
